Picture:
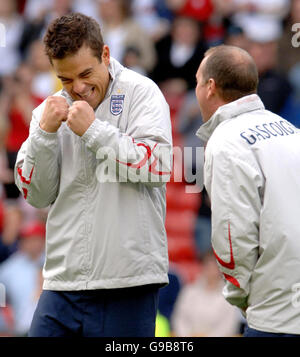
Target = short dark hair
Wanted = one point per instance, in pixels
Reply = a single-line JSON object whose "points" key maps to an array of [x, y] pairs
{"points": [[233, 70], [68, 33]]}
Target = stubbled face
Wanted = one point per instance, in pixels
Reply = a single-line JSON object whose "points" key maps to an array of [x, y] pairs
{"points": [[83, 76]]}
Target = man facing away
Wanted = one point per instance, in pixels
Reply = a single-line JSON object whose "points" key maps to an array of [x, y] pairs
{"points": [[252, 166], [99, 152]]}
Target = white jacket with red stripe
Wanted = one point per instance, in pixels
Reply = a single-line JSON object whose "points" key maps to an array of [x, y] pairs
{"points": [[252, 175], [105, 227]]}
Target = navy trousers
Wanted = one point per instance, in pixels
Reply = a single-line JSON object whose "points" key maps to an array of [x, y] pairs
{"points": [[251, 332], [128, 312]]}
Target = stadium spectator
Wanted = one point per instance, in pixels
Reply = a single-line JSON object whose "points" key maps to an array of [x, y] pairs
{"points": [[36, 24], [199, 10], [288, 54], [19, 103], [5, 174], [201, 310], [254, 199], [132, 60], [274, 88], [289, 62], [10, 215], [86, 7], [5, 250], [44, 81], [180, 52], [12, 222], [291, 109], [164, 10], [206, 13], [20, 274], [13, 24], [146, 15], [253, 13], [36, 9], [122, 32], [235, 36]]}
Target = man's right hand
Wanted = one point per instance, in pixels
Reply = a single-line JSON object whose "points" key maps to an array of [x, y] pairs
{"points": [[55, 112]]}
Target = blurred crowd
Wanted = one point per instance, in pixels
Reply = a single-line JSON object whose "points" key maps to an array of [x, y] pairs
{"points": [[164, 40]]}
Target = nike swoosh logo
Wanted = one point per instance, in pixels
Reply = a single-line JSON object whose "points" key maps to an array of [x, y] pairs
{"points": [[231, 264]]}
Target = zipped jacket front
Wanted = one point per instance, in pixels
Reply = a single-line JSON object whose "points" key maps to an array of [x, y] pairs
{"points": [[106, 189]]}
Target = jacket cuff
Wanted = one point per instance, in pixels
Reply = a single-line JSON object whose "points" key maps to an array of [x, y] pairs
{"points": [[44, 134], [91, 135]]}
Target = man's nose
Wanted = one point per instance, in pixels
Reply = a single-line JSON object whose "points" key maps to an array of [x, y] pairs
{"points": [[79, 87]]}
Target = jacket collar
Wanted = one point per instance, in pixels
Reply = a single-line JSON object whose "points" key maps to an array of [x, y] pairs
{"points": [[229, 111], [114, 69]]}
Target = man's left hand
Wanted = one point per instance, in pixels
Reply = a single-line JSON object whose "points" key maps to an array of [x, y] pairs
{"points": [[81, 116]]}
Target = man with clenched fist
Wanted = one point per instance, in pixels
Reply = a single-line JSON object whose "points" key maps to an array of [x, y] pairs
{"points": [[55, 112], [99, 153]]}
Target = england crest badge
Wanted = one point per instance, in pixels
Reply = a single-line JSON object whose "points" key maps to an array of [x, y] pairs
{"points": [[116, 104]]}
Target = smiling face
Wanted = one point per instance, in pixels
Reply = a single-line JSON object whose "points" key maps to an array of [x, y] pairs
{"points": [[83, 76]]}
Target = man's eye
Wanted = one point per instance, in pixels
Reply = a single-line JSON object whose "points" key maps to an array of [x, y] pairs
{"points": [[64, 80]]}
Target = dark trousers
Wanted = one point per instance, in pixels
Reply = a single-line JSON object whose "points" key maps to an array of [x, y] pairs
{"points": [[250, 332], [128, 312]]}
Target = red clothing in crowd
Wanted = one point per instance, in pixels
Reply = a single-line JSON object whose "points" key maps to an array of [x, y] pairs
{"points": [[19, 128], [201, 10]]}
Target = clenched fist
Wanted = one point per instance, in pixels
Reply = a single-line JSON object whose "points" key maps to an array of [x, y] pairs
{"points": [[80, 117], [55, 112]]}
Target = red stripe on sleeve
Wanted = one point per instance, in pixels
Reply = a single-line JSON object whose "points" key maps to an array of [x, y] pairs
{"points": [[232, 280], [152, 167], [25, 192], [231, 264], [23, 179], [143, 161]]}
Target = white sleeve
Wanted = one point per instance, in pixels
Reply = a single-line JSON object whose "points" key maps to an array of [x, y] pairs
{"points": [[37, 166], [233, 186]]}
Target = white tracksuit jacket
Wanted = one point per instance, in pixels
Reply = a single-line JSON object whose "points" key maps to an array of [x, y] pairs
{"points": [[252, 175], [105, 227]]}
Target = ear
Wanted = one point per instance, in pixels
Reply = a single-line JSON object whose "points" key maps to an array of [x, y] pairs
{"points": [[211, 88], [105, 55]]}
